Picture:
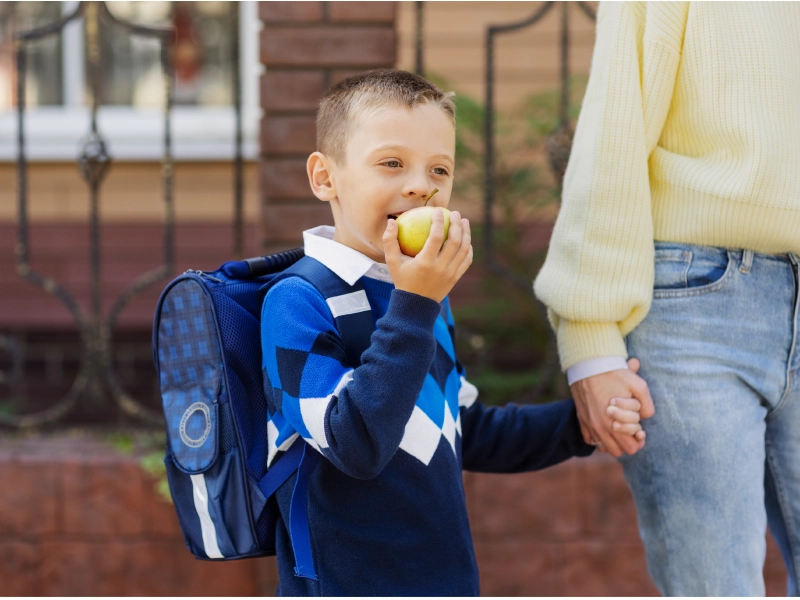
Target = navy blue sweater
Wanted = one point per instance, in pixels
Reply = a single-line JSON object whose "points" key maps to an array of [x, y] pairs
{"points": [[386, 508]]}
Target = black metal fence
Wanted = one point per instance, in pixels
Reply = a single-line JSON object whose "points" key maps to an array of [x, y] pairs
{"points": [[96, 378], [558, 148]]}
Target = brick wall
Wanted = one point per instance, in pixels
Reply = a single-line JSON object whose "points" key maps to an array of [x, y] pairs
{"points": [[305, 48], [79, 518]]}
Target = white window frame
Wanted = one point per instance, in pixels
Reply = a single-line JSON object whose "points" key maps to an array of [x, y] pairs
{"points": [[54, 133]]}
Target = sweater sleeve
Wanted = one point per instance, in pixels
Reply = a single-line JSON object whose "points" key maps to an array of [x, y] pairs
{"points": [[513, 439], [355, 417], [598, 276]]}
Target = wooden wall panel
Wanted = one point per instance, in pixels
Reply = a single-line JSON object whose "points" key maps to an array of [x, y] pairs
{"points": [[132, 193], [527, 61]]}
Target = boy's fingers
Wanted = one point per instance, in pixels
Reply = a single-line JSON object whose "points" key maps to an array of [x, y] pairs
{"points": [[465, 264], [455, 233], [466, 236], [434, 242], [640, 436], [634, 364], [391, 247], [623, 416], [626, 403], [453, 243], [639, 444], [625, 428]]}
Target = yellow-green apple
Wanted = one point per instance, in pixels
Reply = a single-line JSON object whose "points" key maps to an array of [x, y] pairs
{"points": [[414, 227]]}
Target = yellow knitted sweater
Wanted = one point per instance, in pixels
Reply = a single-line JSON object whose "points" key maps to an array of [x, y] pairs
{"points": [[689, 132]]}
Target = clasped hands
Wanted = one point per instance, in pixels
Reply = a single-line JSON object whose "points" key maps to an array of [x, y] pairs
{"points": [[610, 407]]}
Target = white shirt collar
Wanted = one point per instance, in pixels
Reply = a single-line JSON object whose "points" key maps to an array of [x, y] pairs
{"points": [[347, 263]]}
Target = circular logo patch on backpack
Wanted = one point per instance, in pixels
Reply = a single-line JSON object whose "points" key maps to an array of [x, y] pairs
{"points": [[192, 442]]}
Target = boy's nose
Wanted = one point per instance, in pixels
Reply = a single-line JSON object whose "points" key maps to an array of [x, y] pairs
{"points": [[418, 188]]}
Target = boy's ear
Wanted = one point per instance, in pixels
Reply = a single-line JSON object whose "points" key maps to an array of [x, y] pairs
{"points": [[320, 177]]}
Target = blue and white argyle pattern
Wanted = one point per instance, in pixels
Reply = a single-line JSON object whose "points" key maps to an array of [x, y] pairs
{"points": [[437, 413], [304, 371], [190, 366]]}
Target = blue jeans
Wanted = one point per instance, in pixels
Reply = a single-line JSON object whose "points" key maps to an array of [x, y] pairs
{"points": [[722, 459]]}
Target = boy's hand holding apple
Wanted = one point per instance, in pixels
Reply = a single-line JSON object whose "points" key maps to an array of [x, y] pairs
{"points": [[439, 265]]}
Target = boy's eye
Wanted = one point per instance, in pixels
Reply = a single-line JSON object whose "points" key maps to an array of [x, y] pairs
{"points": [[440, 171], [391, 163]]}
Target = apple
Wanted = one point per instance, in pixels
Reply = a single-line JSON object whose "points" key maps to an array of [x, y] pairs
{"points": [[414, 227]]}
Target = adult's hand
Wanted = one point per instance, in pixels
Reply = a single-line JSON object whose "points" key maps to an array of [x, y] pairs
{"points": [[592, 396]]}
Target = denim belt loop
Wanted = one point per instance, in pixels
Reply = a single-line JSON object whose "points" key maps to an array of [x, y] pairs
{"points": [[747, 261]]}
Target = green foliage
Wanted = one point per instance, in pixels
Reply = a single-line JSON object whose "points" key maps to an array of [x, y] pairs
{"points": [[540, 111], [503, 387], [502, 340], [153, 463], [150, 446], [122, 442], [518, 182]]}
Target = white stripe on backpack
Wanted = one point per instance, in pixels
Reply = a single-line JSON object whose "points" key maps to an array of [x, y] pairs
{"points": [[206, 524]]}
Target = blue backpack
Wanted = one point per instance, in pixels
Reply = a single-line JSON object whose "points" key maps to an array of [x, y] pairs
{"points": [[207, 353]]}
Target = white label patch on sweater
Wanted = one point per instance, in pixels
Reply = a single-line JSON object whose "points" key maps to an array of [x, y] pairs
{"points": [[348, 304]]}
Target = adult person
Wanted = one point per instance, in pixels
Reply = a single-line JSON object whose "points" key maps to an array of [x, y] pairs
{"points": [[677, 243]]}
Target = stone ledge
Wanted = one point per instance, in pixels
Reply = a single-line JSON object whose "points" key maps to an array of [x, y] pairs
{"points": [[78, 517]]}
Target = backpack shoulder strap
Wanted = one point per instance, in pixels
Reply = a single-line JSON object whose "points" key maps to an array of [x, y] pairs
{"points": [[348, 304], [297, 458], [353, 317]]}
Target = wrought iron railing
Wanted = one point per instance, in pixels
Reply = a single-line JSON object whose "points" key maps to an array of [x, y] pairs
{"points": [[96, 377], [419, 37], [557, 146]]}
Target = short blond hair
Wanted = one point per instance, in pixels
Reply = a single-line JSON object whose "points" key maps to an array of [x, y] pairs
{"points": [[343, 103]]}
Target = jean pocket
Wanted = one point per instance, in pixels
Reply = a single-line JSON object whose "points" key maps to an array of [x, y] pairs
{"points": [[683, 272], [671, 268]]}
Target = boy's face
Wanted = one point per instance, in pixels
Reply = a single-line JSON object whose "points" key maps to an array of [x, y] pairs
{"points": [[394, 158]]}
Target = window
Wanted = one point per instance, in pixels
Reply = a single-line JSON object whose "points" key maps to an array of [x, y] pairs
{"points": [[44, 84], [131, 94]]}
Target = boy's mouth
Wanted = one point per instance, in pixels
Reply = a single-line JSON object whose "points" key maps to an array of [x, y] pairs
{"points": [[427, 198]]}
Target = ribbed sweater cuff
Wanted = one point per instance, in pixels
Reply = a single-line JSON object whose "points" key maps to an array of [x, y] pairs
{"points": [[579, 341], [413, 309]]}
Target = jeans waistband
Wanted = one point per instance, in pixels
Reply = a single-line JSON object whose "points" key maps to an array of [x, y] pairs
{"points": [[712, 252]]}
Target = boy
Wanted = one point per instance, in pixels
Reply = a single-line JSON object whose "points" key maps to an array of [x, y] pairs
{"points": [[386, 508]]}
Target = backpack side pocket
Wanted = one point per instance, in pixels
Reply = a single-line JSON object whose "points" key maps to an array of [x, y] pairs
{"points": [[190, 371]]}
